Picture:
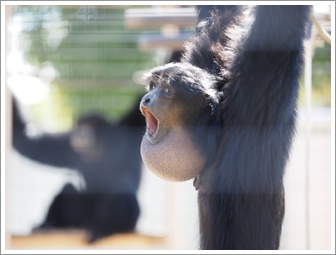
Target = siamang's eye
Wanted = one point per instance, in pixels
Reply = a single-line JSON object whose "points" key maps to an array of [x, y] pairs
{"points": [[167, 90], [152, 85]]}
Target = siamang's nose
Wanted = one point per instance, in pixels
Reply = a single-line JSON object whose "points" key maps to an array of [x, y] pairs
{"points": [[146, 100]]}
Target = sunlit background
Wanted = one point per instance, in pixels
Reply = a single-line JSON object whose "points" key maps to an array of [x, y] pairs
{"points": [[67, 61]]}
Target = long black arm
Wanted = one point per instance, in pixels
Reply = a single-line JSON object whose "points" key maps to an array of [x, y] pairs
{"points": [[243, 198], [48, 149], [261, 108]]}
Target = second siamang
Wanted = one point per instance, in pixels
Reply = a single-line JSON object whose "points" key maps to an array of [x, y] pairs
{"points": [[107, 155]]}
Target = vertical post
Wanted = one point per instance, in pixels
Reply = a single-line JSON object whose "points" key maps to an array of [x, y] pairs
{"points": [[308, 94], [332, 85], [174, 215], [7, 132]]}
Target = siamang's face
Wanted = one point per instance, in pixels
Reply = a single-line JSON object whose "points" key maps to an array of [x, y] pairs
{"points": [[178, 96], [158, 108]]}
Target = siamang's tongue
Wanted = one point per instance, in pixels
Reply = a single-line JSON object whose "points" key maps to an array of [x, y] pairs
{"points": [[152, 123]]}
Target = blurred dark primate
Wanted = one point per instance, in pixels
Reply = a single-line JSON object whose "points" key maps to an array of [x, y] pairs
{"points": [[107, 156]]}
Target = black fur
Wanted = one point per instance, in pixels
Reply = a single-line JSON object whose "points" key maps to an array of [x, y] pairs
{"points": [[257, 62], [111, 171]]}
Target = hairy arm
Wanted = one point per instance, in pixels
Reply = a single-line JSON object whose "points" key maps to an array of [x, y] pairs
{"points": [[261, 100], [269, 64], [259, 112], [53, 150], [48, 149]]}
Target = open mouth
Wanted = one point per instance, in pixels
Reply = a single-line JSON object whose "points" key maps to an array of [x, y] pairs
{"points": [[152, 122]]}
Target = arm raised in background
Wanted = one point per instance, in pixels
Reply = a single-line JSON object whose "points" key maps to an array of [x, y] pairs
{"points": [[54, 150]]}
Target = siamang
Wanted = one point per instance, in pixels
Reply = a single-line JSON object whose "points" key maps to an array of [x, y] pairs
{"points": [[107, 156], [225, 115]]}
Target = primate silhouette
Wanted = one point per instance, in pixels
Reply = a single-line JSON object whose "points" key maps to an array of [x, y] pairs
{"points": [[107, 155]]}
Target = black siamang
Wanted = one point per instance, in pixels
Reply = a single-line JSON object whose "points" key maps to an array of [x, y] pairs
{"points": [[107, 155], [225, 116]]}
